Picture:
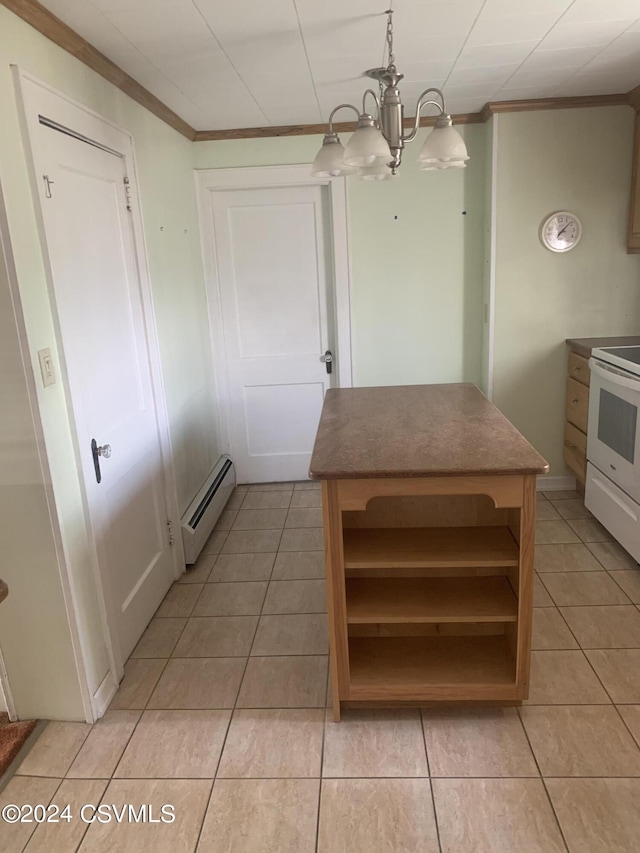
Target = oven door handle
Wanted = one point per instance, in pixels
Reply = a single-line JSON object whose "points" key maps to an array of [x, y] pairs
{"points": [[618, 377]]}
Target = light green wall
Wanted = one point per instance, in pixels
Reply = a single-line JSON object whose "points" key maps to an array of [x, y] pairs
{"points": [[164, 164], [416, 259], [579, 160], [34, 637]]}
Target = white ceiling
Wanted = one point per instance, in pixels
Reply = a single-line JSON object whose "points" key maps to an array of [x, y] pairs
{"points": [[245, 63]]}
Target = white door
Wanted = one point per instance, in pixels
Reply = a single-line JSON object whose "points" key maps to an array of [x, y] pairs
{"points": [[99, 306], [271, 247]]}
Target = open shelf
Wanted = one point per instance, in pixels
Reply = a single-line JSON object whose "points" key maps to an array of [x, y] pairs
{"points": [[415, 668], [429, 547], [482, 599]]}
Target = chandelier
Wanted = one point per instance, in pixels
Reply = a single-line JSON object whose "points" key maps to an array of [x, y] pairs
{"points": [[374, 151]]}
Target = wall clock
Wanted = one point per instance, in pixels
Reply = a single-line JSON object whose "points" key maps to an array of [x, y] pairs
{"points": [[561, 231]]}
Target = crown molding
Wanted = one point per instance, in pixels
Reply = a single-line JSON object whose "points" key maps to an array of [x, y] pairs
{"points": [[531, 104], [313, 129], [57, 31]]}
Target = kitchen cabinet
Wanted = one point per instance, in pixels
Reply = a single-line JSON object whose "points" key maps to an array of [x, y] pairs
{"points": [[429, 499], [577, 415], [577, 399]]}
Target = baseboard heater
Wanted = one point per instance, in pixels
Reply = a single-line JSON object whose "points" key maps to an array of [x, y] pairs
{"points": [[201, 516]]}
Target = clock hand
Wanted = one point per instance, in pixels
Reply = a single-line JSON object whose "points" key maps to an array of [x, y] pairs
{"points": [[564, 229]]}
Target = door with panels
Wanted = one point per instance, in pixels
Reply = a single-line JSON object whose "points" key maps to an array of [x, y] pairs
{"points": [[274, 267], [104, 340]]}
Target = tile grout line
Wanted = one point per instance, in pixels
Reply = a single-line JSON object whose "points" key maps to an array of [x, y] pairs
{"points": [[100, 801], [207, 805], [542, 779], [55, 791], [611, 575], [433, 796], [324, 729]]}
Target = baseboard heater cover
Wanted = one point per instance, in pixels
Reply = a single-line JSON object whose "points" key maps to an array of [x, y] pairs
{"points": [[204, 511]]}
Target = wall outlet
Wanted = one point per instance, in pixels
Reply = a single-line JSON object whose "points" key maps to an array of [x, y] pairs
{"points": [[46, 367]]}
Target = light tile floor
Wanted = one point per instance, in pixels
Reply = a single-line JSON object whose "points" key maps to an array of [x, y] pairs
{"points": [[221, 715]]}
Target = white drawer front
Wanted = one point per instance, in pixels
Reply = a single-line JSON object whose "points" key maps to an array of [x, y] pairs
{"points": [[614, 509]]}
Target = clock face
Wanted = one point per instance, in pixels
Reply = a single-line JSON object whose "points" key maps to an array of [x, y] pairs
{"points": [[561, 231]]}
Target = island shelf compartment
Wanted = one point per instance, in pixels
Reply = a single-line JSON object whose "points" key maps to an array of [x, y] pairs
{"points": [[430, 591], [378, 601]]}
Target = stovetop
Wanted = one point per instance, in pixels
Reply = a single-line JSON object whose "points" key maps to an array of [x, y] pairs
{"points": [[628, 358]]}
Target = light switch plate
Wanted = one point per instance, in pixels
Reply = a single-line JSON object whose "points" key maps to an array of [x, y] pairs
{"points": [[46, 367]]}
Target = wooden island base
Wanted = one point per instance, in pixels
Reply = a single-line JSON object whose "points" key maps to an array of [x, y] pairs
{"points": [[429, 502], [430, 589]]}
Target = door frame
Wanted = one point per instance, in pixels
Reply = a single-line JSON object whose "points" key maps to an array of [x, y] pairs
{"points": [[37, 98], [209, 181]]}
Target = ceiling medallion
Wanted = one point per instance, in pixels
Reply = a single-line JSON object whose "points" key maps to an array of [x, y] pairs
{"points": [[374, 151]]}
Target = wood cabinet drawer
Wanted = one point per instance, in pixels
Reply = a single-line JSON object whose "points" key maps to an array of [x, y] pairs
{"points": [[577, 404], [579, 368], [575, 450]]}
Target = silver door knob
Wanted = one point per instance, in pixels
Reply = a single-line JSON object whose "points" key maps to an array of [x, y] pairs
{"points": [[104, 451]]}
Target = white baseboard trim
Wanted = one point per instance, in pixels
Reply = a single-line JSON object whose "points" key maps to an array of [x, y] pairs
{"points": [[555, 484], [103, 695]]}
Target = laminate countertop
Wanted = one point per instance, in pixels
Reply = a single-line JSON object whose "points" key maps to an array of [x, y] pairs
{"points": [[583, 346], [417, 431]]}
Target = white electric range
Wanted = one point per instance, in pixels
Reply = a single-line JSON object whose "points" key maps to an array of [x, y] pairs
{"points": [[612, 491]]}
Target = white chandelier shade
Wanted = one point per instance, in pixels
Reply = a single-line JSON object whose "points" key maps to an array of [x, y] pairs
{"points": [[443, 148], [329, 159], [366, 146], [378, 172]]}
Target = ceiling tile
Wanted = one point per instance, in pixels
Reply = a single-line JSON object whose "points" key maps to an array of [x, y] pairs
{"points": [[342, 69], [303, 113], [477, 76], [522, 93], [499, 54], [491, 29], [136, 5], [426, 70], [585, 34], [168, 36], [542, 77], [586, 85], [559, 59], [433, 22], [331, 28], [600, 11], [460, 106], [257, 36], [626, 46], [510, 7]]}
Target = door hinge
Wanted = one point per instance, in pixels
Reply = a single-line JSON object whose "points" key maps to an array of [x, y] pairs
{"points": [[127, 192], [172, 540]]}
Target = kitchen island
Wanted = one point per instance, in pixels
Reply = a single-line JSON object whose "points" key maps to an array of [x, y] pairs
{"points": [[429, 500]]}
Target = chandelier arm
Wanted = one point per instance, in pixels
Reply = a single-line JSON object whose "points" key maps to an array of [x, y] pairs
{"points": [[376, 99], [341, 107], [411, 136]]}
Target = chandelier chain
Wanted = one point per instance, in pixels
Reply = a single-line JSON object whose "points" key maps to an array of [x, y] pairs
{"points": [[392, 58]]}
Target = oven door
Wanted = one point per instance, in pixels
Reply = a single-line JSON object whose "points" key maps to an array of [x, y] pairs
{"points": [[613, 433]]}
